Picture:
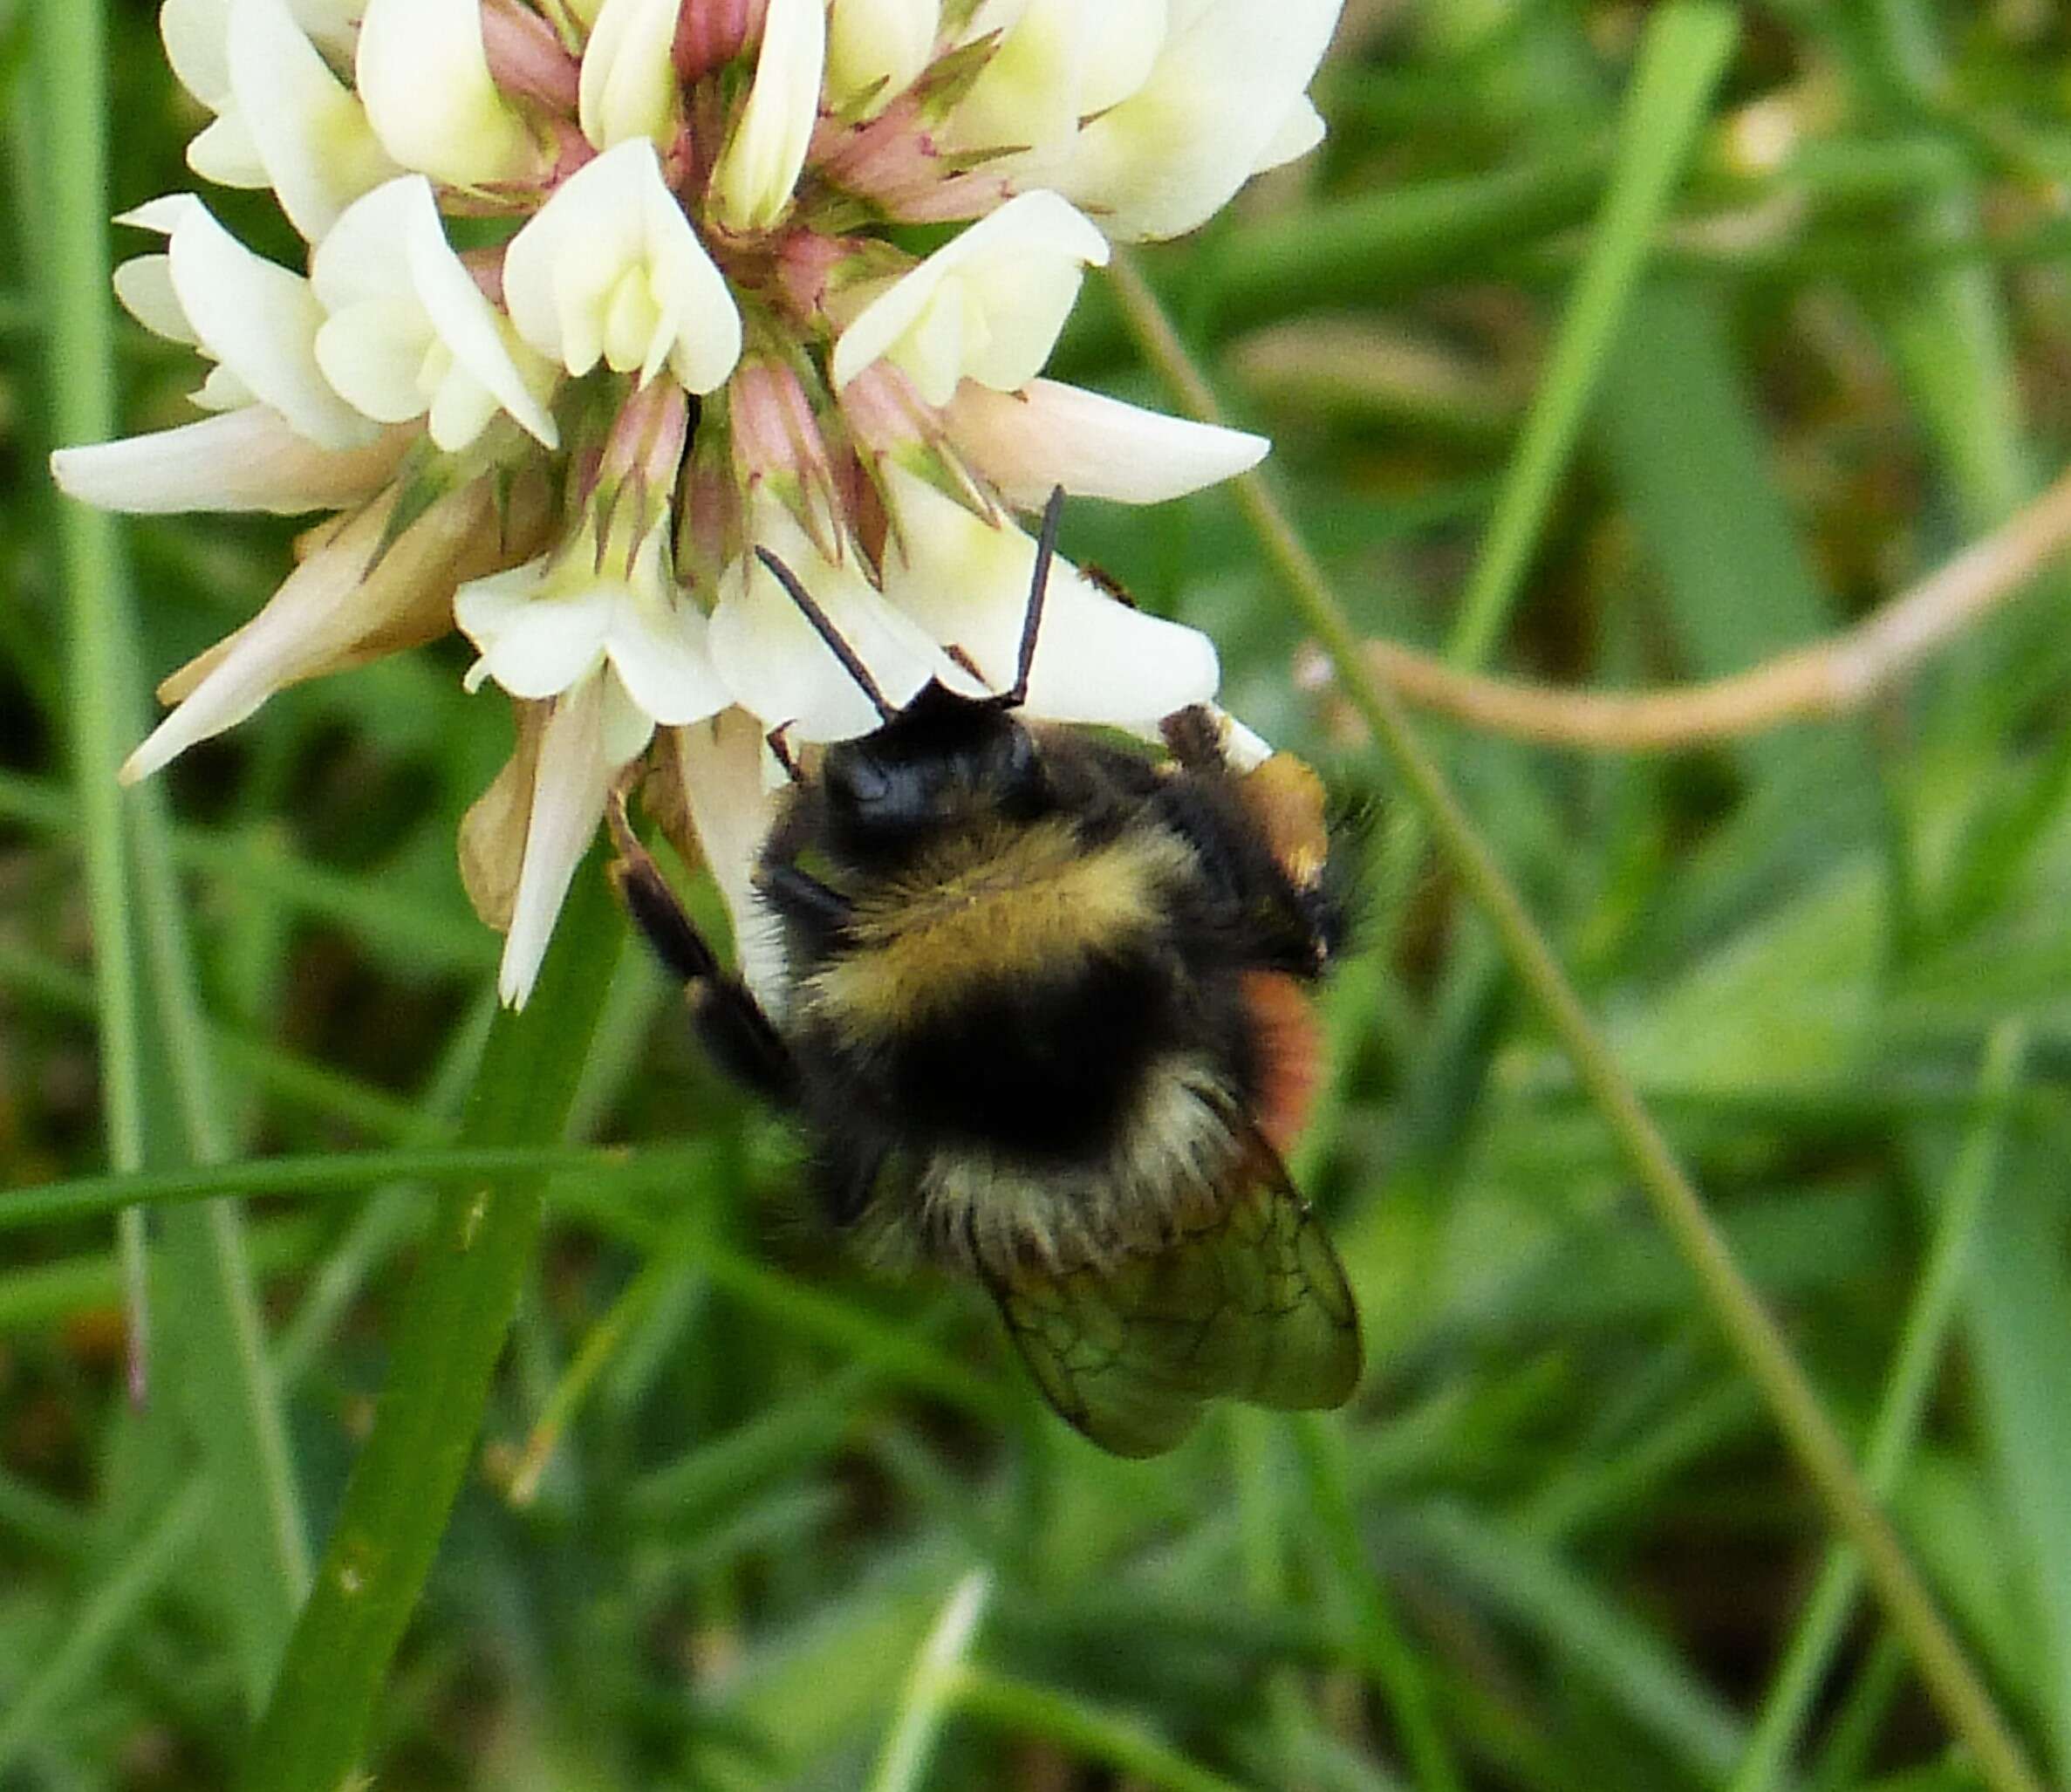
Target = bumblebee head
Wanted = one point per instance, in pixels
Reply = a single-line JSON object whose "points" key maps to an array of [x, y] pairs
{"points": [[942, 761]]}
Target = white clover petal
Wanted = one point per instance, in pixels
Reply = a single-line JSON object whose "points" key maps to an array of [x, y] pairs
{"points": [[628, 84], [1230, 73], [224, 152], [987, 305], [424, 77], [144, 284], [258, 321], [326, 609], [966, 582], [310, 130], [1025, 443], [1123, 41], [532, 643], [656, 639], [407, 331], [875, 48], [720, 765], [610, 269], [1027, 97], [752, 182], [583, 745], [775, 664], [196, 34], [1300, 131], [542, 631], [241, 460]]}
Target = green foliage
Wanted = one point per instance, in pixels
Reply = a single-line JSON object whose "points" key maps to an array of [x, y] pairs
{"points": [[1564, 376]]}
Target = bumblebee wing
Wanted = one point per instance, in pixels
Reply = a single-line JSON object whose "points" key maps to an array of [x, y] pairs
{"points": [[1252, 1306]]}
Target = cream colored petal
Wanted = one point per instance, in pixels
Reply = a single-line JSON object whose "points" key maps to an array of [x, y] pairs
{"points": [[241, 460], [225, 152], [373, 354], [533, 646], [757, 169], [492, 833], [877, 47], [424, 78], [1027, 97], [1123, 39], [467, 323], [194, 33], [392, 285], [628, 84], [656, 639], [302, 624], [699, 323], [144, 286], [1025, 443], [935, 351], [966, 582], [257, 320], [1300, 131], [570, 784], [1177, 148], [311, 133], [1019, 260], [778, 667], [462, 408], [720, 764], [343, 604], [614, 217], [1024, 310]]}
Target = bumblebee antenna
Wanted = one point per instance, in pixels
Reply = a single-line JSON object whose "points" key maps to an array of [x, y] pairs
{"points": [[823, 626], [1046, 551]]}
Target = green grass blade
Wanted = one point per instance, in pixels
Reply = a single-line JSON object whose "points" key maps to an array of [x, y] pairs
{"points": [[1631, 1665], [2019, 1318], [1383, 1653], [1684, 50], [1906, 1392], [212, 1328], [1113, 1740], [924, 1704], [73, 207], [340, 1173], [449, 1337], [101, 1621]]}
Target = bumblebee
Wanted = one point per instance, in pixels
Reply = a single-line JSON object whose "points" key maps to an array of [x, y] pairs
{"points": [[1044, 1021]]}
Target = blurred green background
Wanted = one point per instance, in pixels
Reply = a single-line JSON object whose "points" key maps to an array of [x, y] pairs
{"points": [[727, 1484]]}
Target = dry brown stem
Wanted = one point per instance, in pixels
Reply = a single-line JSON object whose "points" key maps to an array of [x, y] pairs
{"points": [[1836, 677]]}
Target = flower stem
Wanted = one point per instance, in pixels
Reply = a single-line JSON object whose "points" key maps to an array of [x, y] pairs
{"points": [[477, 1257], [1749, 1327]]}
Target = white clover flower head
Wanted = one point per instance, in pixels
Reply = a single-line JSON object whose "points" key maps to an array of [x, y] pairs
{"points": [[599, 308]]}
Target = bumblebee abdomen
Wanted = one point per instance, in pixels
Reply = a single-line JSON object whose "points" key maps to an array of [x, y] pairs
{"points": [[1010, 992], [1045, 1069]]}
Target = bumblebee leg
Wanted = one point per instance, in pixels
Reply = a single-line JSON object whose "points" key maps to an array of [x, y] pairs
{"points": [[729, 1022], [802, 898], [779, 740], [1193, 739], [844, 1176]]}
